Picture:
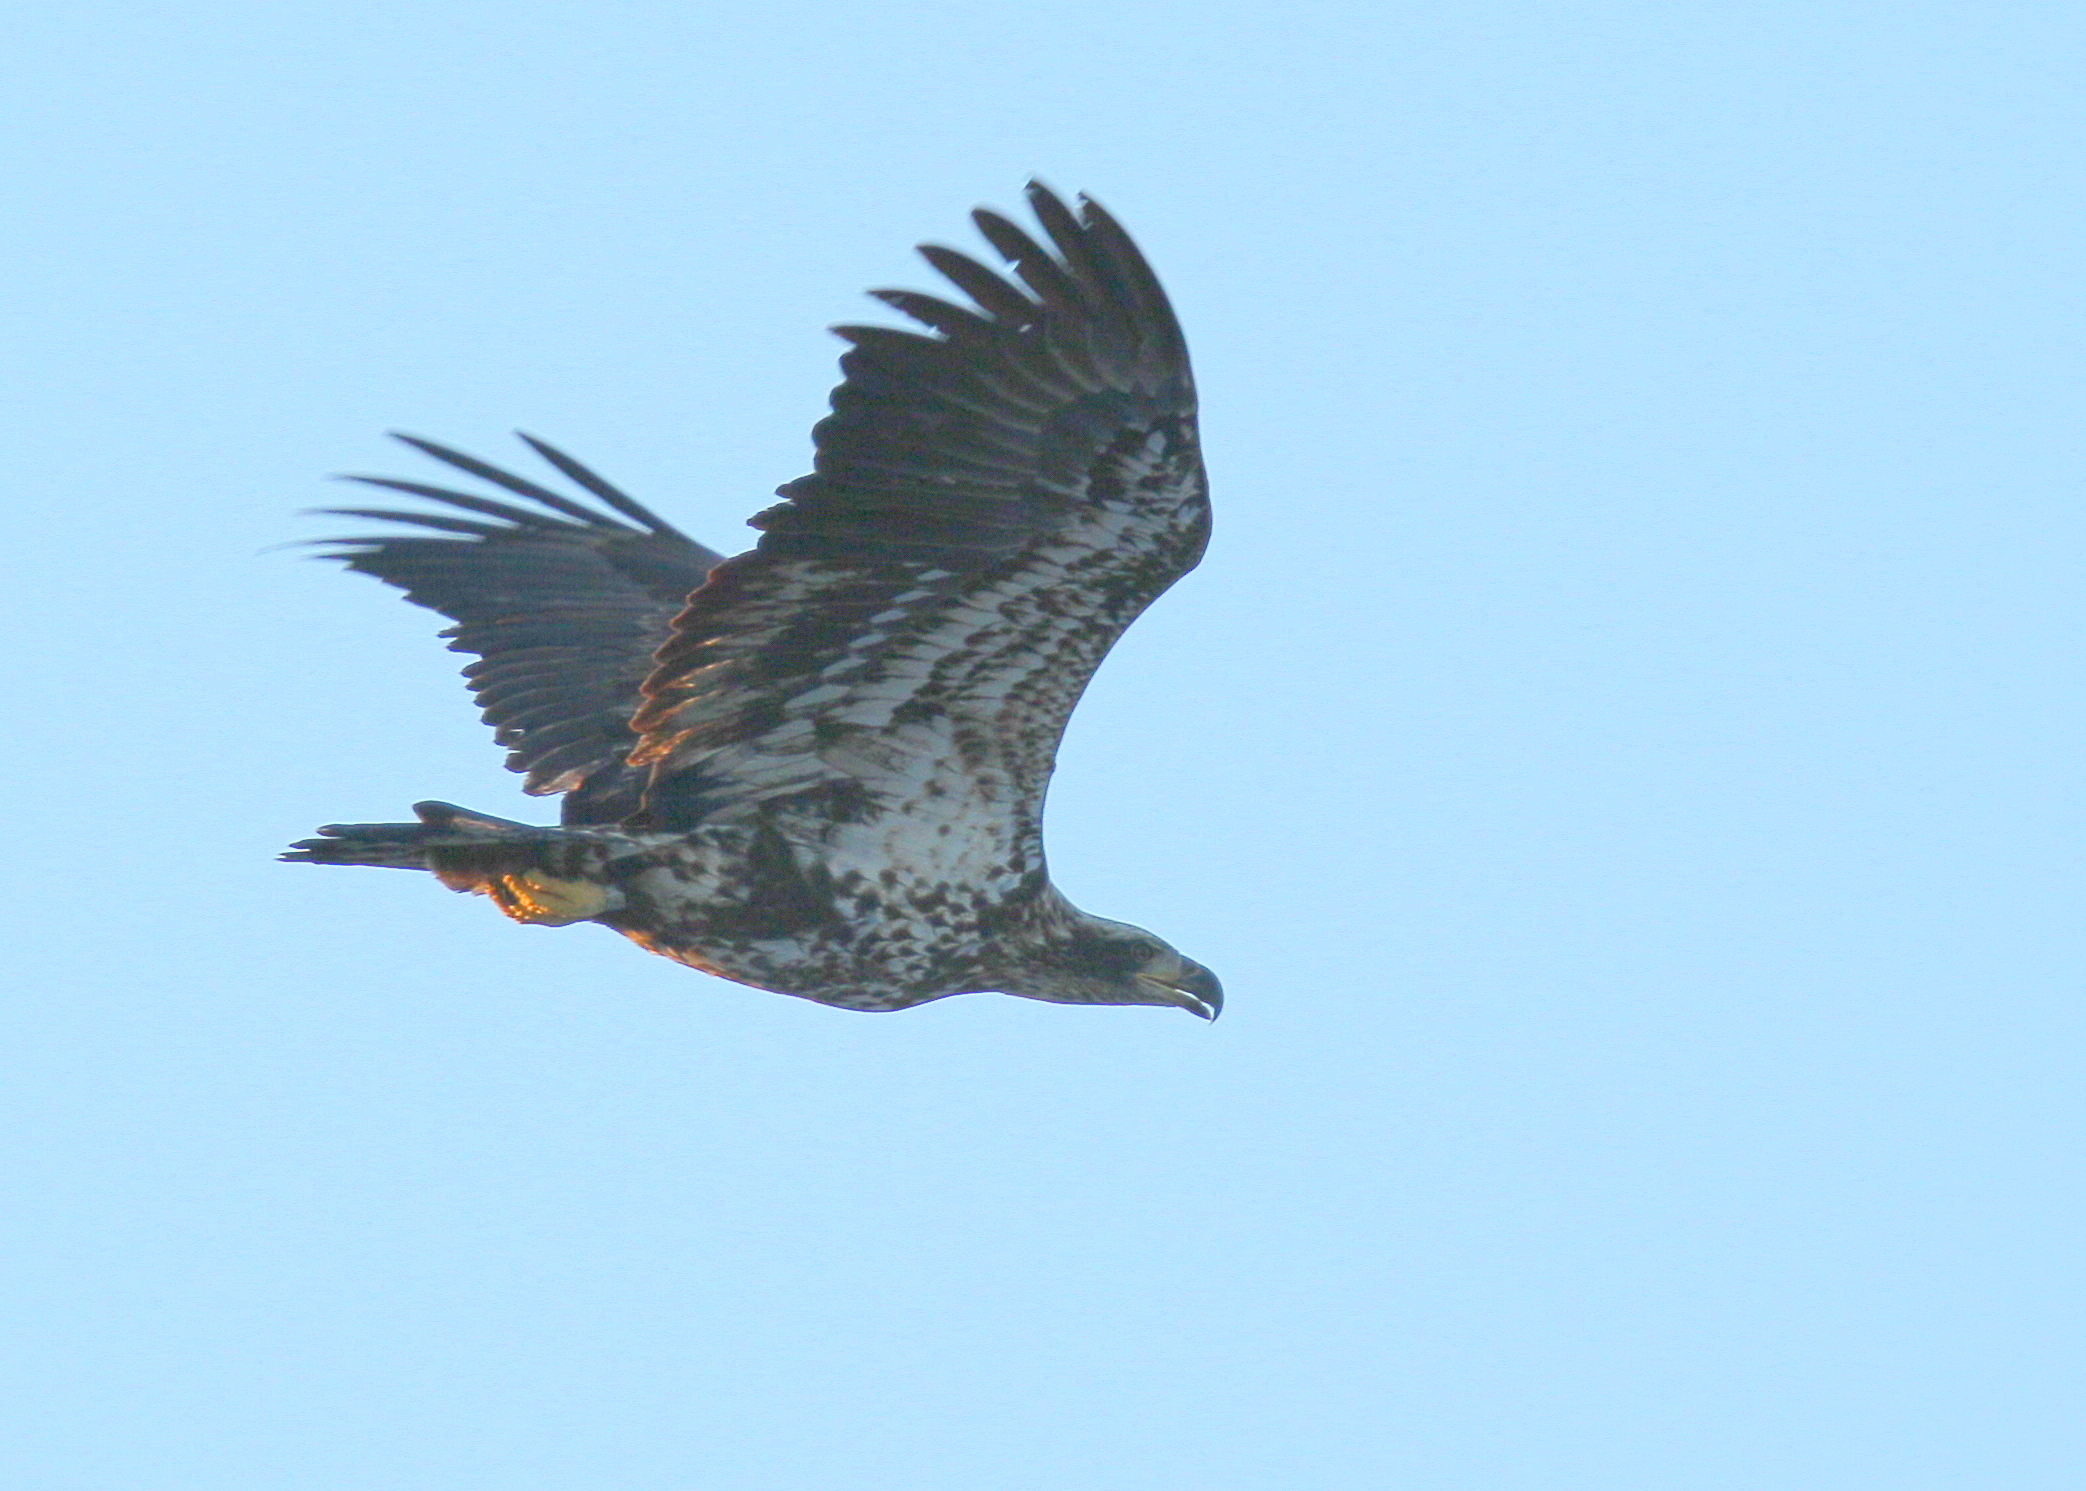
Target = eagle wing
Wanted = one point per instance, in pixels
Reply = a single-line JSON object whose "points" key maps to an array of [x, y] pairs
{"points": [[563, 603], [992, 502]]}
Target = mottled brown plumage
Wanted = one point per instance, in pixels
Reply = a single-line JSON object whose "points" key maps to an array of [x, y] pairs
{"points": [[819, 767]]}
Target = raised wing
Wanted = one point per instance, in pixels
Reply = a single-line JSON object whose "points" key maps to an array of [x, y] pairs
{"points": [[992, 503], [563, 603]]}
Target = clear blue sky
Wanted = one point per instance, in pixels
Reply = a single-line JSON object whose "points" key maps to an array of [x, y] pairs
{"points": [[1623, 754]]}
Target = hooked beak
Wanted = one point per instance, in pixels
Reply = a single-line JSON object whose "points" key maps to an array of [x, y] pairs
{"points": [[1194, 988]]}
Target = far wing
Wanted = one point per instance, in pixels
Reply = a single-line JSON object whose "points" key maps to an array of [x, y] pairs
{"points": [[992, 503], [563, 603]]}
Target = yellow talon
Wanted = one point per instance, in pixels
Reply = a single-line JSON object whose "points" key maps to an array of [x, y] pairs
{"points": [[546, 901]]}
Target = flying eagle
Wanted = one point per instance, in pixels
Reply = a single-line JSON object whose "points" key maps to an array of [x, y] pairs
{"points": [[819, 767]]}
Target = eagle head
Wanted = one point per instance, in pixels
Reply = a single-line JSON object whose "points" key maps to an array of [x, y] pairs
{"points": [[1095, 961]]}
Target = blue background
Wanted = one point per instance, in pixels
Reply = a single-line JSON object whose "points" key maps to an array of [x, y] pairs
{"points": [[1622, 754]]}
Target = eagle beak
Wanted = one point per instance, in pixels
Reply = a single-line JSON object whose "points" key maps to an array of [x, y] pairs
{"points": [[1195, 989]]}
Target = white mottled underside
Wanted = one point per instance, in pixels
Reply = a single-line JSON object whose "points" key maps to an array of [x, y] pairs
{"points": [[942, 712]]}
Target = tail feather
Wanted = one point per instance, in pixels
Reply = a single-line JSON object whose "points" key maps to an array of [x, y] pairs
{"points": [[527, 870], [443, 826]]}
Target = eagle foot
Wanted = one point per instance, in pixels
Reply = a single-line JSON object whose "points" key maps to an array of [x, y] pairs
{"points": [[539, 900]]}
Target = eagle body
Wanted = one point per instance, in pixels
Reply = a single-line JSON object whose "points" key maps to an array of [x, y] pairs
{"points": [[819, 768]]}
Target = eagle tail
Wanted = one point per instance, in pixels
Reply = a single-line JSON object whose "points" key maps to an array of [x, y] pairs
{"points": [[531, 873]]}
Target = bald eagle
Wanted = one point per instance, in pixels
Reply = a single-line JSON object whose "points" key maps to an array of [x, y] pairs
{"points": [[819, 767]]}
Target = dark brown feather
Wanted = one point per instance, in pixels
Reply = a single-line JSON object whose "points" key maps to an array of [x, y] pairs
{"points": [[562, 603]]}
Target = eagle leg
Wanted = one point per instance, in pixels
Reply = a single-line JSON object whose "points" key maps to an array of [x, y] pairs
{"points": [[541, 900]]}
